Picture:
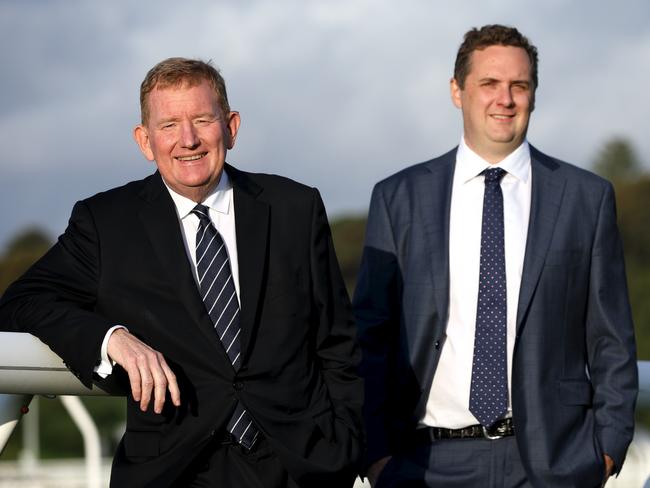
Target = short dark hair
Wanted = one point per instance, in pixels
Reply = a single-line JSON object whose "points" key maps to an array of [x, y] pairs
{"points": [[176, 72], [492, 35]]}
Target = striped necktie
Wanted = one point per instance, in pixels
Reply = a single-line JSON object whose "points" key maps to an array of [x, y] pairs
{"points": [[220, 298], [488, 400]]}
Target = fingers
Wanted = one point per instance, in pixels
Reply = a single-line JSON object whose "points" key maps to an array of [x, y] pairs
{"points": [[134, 380], [149, 374], [146, 380], [164, 379], [172, 385], [376, 468]]}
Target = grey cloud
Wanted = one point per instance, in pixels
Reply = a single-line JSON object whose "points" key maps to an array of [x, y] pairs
{"points": [[337, 94]]}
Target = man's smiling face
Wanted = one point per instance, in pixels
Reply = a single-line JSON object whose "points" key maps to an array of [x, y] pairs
{"points": [[496, 100], [188, 136]]}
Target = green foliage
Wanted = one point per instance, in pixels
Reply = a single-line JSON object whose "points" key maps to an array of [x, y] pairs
{"points": [[633, 201], [59, 437], [617, 161], [21, 253], [348, 234]]}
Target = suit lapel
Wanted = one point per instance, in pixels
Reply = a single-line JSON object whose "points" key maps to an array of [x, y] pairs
{"points": [[160, 222], [435, 207], [546, 198], [251, 224]]}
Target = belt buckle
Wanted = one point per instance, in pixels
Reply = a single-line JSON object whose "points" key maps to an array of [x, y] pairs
{"points": [[487, 434]]}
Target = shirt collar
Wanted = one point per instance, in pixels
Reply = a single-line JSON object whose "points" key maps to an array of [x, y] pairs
{"points": [[218, 199], [469, 164]]}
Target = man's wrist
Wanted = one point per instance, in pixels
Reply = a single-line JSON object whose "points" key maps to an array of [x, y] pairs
{"points": [[105, 366]]}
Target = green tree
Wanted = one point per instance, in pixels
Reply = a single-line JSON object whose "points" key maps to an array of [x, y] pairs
{"points": [[617, 161], [348, 234], [633, 201], [21, 252]]}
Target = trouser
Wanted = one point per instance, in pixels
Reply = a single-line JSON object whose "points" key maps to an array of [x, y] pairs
{"points": [[457, 463], [224, 464]]}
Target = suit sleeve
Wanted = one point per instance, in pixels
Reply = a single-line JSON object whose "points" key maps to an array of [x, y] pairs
{"points": [[54, 299], [610, 338], [376, 307], [336, 343]]}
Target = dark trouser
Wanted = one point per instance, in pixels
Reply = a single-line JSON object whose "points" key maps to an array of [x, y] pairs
{"points": [[228, 465], [456, 463]]}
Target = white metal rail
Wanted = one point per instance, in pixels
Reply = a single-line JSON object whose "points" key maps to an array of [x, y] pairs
{"points": [[27, 368]]}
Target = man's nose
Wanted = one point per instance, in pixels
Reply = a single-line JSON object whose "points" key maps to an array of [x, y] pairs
{"points": [[504, 96], [189, 137]]}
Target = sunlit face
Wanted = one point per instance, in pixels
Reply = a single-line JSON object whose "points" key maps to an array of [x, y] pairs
{"points": [[496, 102], [188, 136]]}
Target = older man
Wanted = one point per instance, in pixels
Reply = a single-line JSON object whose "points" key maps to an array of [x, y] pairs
{"points": [[219, 293]]}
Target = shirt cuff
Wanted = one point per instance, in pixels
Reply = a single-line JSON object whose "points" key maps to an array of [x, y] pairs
{"points": [[105, 366]]}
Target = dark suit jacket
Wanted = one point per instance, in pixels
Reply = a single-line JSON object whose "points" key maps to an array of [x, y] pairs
{"points": [[574, 380], [122, 261]]}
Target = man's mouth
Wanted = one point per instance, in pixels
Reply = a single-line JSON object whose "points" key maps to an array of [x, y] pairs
{"points": [[501, 117], [194, 157]]}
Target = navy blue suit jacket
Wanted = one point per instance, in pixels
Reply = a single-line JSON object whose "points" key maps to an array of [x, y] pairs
{"points": [[574, 380]]}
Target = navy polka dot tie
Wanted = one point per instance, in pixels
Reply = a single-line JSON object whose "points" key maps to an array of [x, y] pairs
{"points": [[488, 398]]}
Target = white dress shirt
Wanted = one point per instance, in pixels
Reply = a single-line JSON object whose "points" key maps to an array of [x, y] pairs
{"points": [[448, 403], [222, 213]]}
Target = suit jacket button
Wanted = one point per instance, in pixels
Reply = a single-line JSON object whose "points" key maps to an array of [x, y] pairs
{"points": [[436, 344], [238, 385]]}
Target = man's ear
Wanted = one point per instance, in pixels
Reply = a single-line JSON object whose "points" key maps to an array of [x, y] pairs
{"points": [[455, 92], [532, 102], [232, 123], [141, 136]]}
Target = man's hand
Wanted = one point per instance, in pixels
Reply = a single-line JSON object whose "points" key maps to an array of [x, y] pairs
{"points": [[147, 369], [609, 468], [376, 468]]}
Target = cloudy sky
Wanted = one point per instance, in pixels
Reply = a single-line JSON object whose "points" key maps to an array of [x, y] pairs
{"points": [[337, 94]]}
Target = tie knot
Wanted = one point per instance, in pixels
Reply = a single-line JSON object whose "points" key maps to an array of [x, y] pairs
{"points": [[494, 175], [201, 211]]}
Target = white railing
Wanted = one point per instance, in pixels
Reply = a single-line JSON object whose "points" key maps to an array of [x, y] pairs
{"points": [[27, 368]]}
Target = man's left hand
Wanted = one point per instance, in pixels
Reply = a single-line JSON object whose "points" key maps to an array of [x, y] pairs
{"points": [[609, 468]]}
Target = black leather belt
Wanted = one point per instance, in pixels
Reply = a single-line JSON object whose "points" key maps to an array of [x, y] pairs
{"points": [[501, 428]]}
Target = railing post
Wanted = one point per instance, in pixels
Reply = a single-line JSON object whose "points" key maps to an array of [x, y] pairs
{"points": [[12, 408], [92, 446]]}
